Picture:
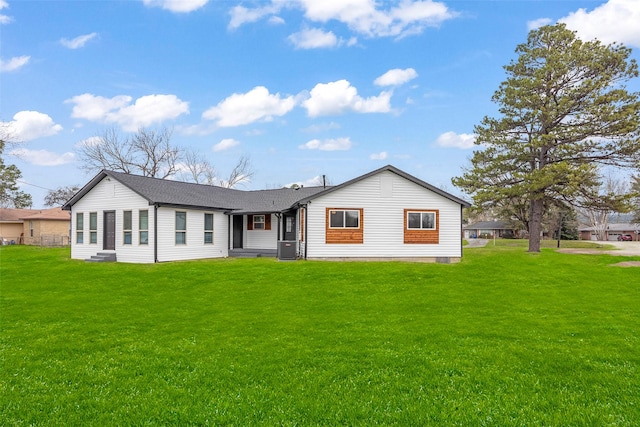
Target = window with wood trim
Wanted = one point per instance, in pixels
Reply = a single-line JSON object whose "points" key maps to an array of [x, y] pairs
{"points": [[421, 226], [344, 225], [259, 222]]}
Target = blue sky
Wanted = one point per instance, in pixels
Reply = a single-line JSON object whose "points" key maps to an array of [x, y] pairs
{"points": [[304, 88]]}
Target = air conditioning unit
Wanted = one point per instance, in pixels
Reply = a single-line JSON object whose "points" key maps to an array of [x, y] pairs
{"points": [[287, 250]]}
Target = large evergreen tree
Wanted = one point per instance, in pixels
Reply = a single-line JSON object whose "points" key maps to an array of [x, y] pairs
{"points": [[564, 111]]}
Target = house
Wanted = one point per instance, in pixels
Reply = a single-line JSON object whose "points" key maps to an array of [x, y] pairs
{"points": [[43, 227], [488, 230], [613, 231], [384, 214]]}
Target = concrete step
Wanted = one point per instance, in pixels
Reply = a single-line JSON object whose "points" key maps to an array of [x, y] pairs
{"points": [[102, 257]]}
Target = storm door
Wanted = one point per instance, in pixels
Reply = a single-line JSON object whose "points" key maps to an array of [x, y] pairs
{"points": [[289, 226], [109, 241]]}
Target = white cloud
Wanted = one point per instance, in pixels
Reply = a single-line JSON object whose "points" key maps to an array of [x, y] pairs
{"points": [[14, 63], [313, 38], [361, 16], [244, 108], [77, 42], [43, 157], [29, 125], [92, 141], [337, 144], [225, 144], [178, 6], [4, 19], [147, 110], [396, 77], [241, 15], [537, 23], [379, 156], [613, 21], [339, 96], [463, 141]]}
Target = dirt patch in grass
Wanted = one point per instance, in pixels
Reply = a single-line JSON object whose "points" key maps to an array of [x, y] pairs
{"points": [[627, 264]]}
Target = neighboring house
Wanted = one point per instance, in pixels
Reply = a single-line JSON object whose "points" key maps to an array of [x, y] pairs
{"points": [[613, 231], [385, 214], [488, 230], [42, 227]]}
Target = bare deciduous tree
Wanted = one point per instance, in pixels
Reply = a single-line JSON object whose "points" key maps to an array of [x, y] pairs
{"points": [[241, 173], [148, 152], [196, 168]]}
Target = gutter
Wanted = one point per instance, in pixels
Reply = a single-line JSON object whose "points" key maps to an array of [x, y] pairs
{"points": [[155, 233]]}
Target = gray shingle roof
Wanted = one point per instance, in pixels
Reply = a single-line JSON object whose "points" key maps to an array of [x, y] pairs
{"points": [[178, 193]]}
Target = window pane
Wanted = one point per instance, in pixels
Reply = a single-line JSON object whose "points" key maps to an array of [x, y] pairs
{"points": [[127, 237], [413, 220], [428, 220], [181, 220], [258, 222], [208, 221], [126, 220], [144, 237], [144, 220], [79, 237], [208, 237], [181, 238], [93, 221], [93, 237], [79, 222], [352, 218], [336, 219]]}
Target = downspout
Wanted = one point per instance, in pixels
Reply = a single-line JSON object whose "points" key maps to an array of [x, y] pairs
{"points": [[155, 233], [279, 217], [306, 231], [228, 234], [461, 231]]}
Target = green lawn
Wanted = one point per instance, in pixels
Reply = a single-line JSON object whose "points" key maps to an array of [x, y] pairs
{"points": [[503, 338]]}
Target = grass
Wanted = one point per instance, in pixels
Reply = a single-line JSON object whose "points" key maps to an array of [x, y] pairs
{"points": [[503, 338]]}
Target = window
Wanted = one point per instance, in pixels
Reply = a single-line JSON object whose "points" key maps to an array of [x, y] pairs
{"points": [[421, 220], [344, 226], [421, 226], [93, 227], [79, 228], [344, 219], [126, 227], [30, 228], [181, 228], [258, 222], [208, 228], [143, 227]]}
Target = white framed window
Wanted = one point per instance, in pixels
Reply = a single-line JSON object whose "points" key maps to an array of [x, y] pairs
{"points": [[344, 218], [181, 228], [421, 220], [79, 228], [208, 228], [30, 228], [258, 222], [126, 227], [93, 227], [143, 227]]}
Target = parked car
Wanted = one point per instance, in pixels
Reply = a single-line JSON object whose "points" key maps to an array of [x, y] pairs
{"points": [[625, 238]]}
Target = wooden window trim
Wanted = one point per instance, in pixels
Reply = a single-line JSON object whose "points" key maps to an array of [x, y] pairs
{"points": [[267, 222], [344, 235], [421, 235]]}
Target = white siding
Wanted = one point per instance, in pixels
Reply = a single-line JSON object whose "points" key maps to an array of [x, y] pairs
{"points": [[262, 239], [384, 197], [195, 248], [109, 195]]}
